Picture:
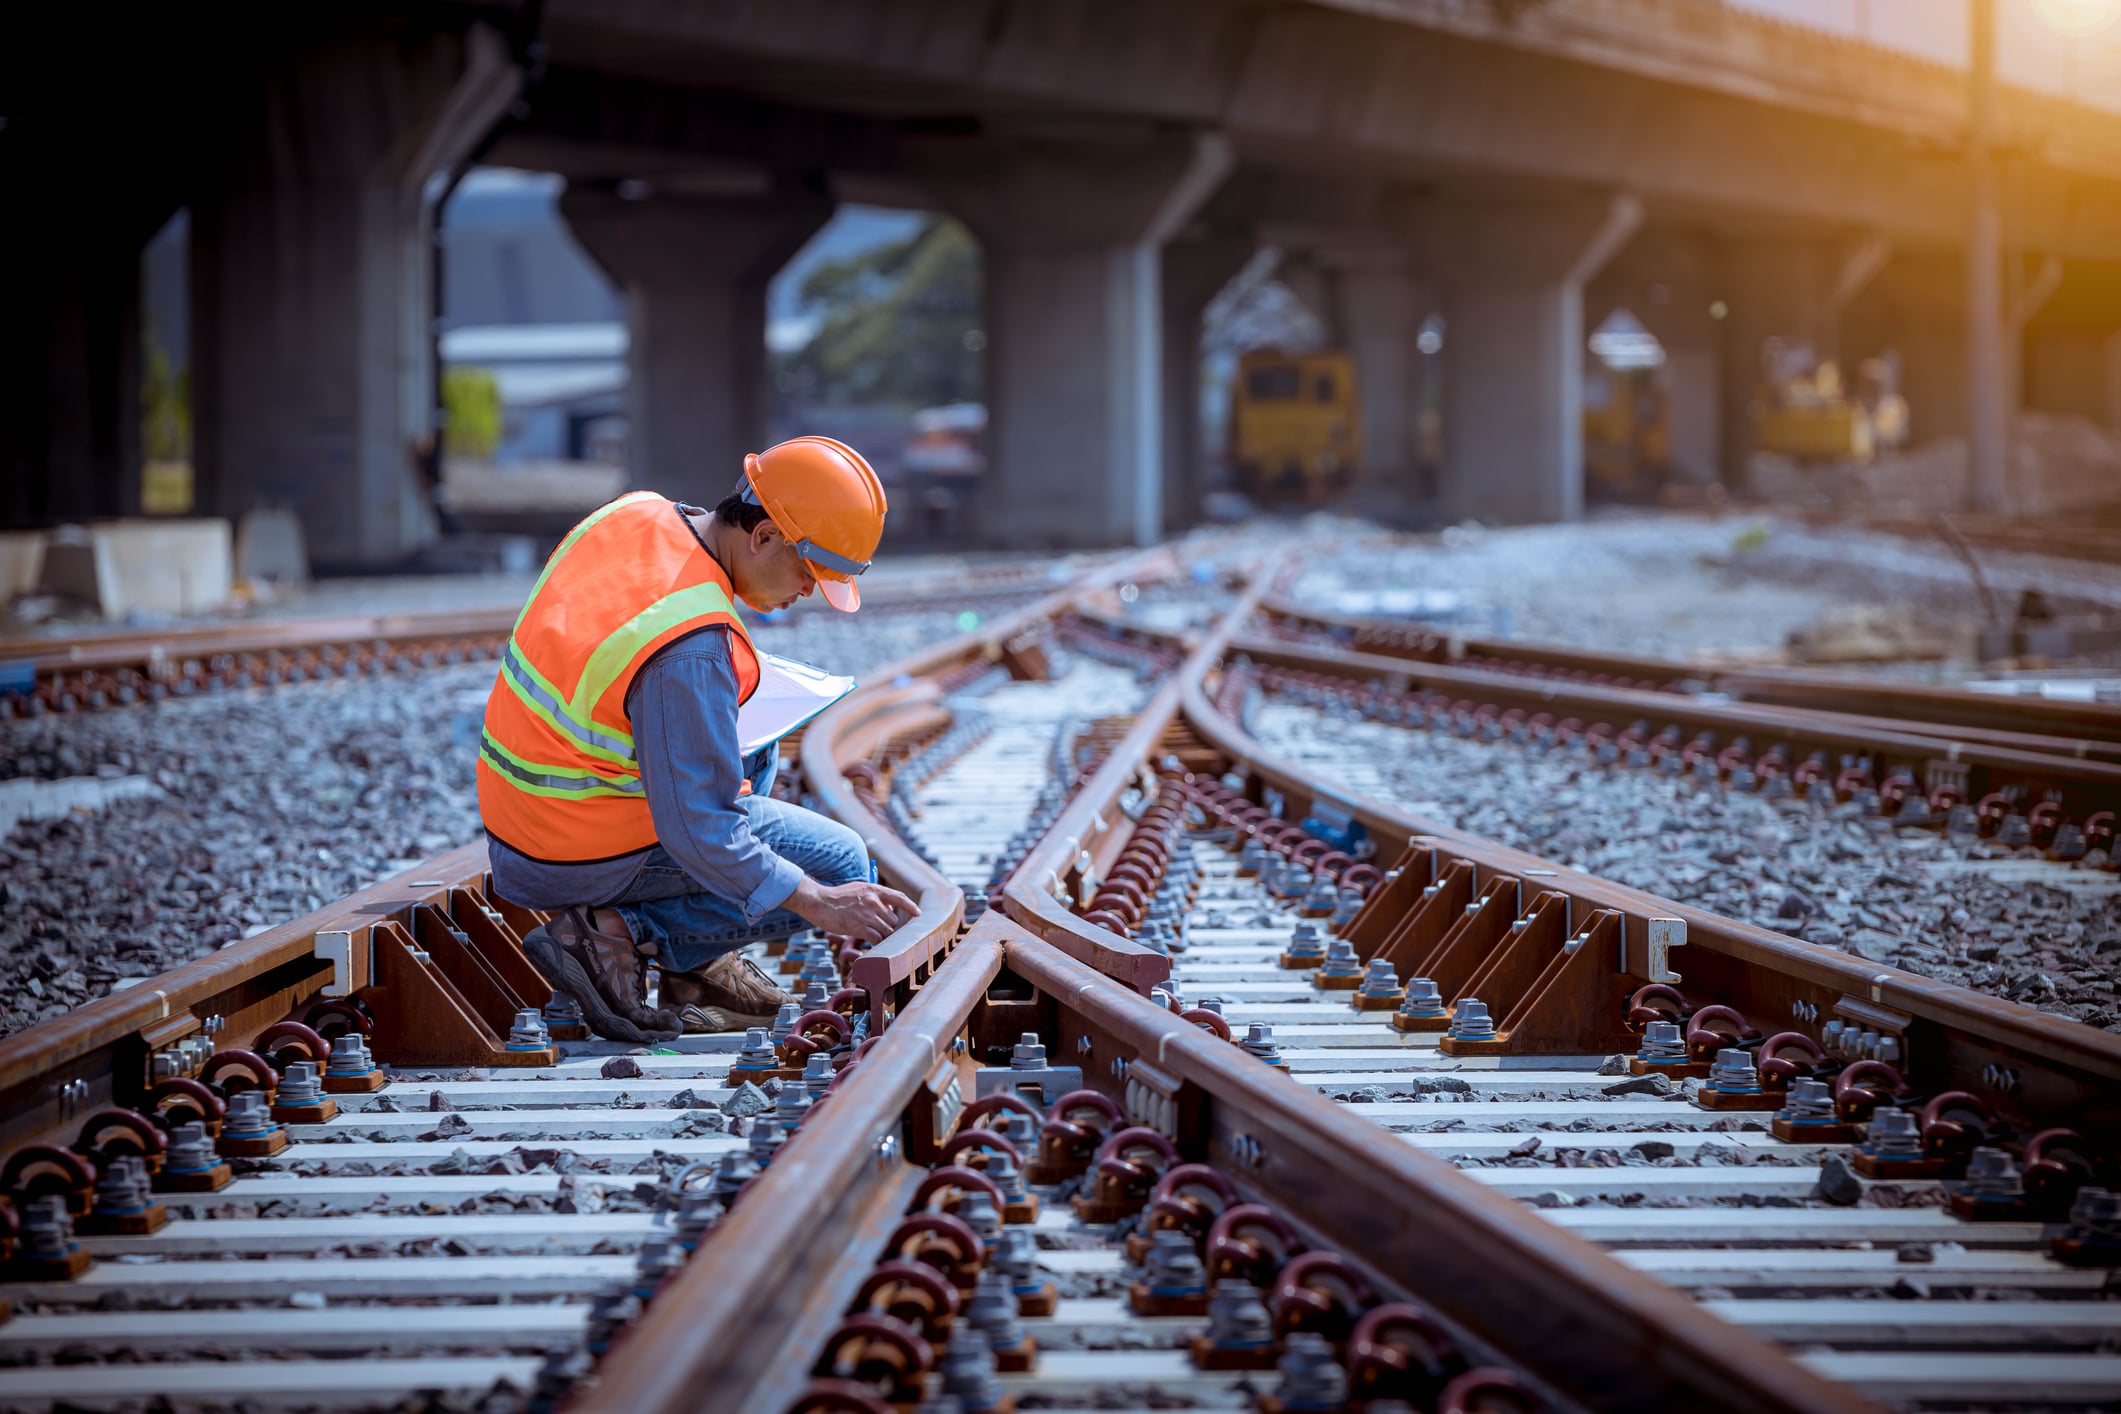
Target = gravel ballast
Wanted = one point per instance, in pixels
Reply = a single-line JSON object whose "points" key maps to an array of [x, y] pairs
{"points": [[246, 809], [1965, 911]]}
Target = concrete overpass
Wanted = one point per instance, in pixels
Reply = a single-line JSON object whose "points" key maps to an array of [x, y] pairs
{"points": [[1496, 162]]}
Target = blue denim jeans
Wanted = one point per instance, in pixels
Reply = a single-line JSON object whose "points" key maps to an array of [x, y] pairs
{"points": [[691, 927]]}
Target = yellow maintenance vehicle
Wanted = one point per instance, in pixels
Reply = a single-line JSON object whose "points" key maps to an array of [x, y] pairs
{"points": [[1294, 430], [1811, 416]]}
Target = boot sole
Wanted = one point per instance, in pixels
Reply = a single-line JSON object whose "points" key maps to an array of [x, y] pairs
{"points": [[567, 973]]}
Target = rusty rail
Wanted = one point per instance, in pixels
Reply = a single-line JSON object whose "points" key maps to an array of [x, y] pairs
{"points": [[1959, 1033]]}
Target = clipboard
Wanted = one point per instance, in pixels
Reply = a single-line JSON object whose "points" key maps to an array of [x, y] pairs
{"points": [[789, 694]]}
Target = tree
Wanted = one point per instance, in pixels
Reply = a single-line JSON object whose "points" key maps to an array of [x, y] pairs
{"points": [[899, 323]]}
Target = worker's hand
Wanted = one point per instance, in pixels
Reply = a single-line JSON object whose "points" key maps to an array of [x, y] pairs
{"points": [[859, 910]]}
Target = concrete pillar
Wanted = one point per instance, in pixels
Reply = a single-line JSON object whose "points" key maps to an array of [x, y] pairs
{"points": [[1194, 272], [1693, 370], [1511, 278], [312, 270], [1071, 240], [694, 270], [1378, 309]]}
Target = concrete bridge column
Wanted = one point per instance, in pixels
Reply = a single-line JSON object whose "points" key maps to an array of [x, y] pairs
{"points": [[311, 274], [1512, 278], [694, 269], [1194, 272], [1378, 314], [1076, 391]]}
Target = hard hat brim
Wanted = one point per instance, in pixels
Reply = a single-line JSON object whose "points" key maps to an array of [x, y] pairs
{"points": [[842, 594]]}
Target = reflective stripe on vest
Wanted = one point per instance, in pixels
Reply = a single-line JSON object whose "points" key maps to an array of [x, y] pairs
{"points": [[556, 768]]}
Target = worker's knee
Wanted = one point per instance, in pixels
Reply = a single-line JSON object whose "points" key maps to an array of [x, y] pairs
{"points": [[823, 848]]}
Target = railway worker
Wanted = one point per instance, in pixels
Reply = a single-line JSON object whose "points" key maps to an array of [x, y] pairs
{"points": [[610, 779]]}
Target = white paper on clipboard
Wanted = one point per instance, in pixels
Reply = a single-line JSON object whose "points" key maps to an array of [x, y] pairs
{"points": [[789, 694]]}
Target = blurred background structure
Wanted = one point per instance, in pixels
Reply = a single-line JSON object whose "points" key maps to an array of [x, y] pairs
{"points": [[1072, 272]]}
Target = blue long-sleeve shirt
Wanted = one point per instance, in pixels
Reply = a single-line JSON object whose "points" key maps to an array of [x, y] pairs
{"points": [[683, 705]]}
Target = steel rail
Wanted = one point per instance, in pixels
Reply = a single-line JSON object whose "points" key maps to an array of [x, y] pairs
{"points": [[2077, 1071], [1905, 702], [2086, 785], [851, 727], [104, 1044], [1607, 1337], [1058, 861], [742, 1322]]}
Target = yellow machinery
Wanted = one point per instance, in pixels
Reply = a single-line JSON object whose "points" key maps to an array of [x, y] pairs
{"points": [[1293, 425], [1812, 417], [1627, 431]]}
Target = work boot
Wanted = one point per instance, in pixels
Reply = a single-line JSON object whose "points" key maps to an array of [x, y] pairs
{"points": [[602, 971], [728, 994]]}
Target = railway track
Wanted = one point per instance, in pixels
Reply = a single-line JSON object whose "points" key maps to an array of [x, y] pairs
{"points": [[1016, 1174], [99, 670]]}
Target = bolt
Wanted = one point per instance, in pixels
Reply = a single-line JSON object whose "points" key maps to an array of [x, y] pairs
{"points": [[1379, 979], [1341, 960], [47, 1230], [189, 1151], [300, 1086], [1662, 1041], [1471, 1022], [123, 1188], [1894, 1133], [1733, 1072], [1259, 1042], [529, 1033], [731, 1173], [248, 1116], [766, 1140], [756, 1053], [1423, 998], [794, 1104], [1172, 1267], [967, 1373], [992, 1310], [1810, 1100], [1310, 1377], [1992, 1173], [1237, 1318], [977, 1211], [349, 1056]]}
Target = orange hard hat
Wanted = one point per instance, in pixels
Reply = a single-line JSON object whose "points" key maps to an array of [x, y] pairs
{"points": [[825, 498]]}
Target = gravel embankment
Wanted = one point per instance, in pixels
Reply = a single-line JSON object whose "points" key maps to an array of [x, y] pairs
{"points": [[1963, 911], [268, 804]]}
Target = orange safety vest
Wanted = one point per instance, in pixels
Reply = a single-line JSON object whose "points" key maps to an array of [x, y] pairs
{"points": [[557, 775]]}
